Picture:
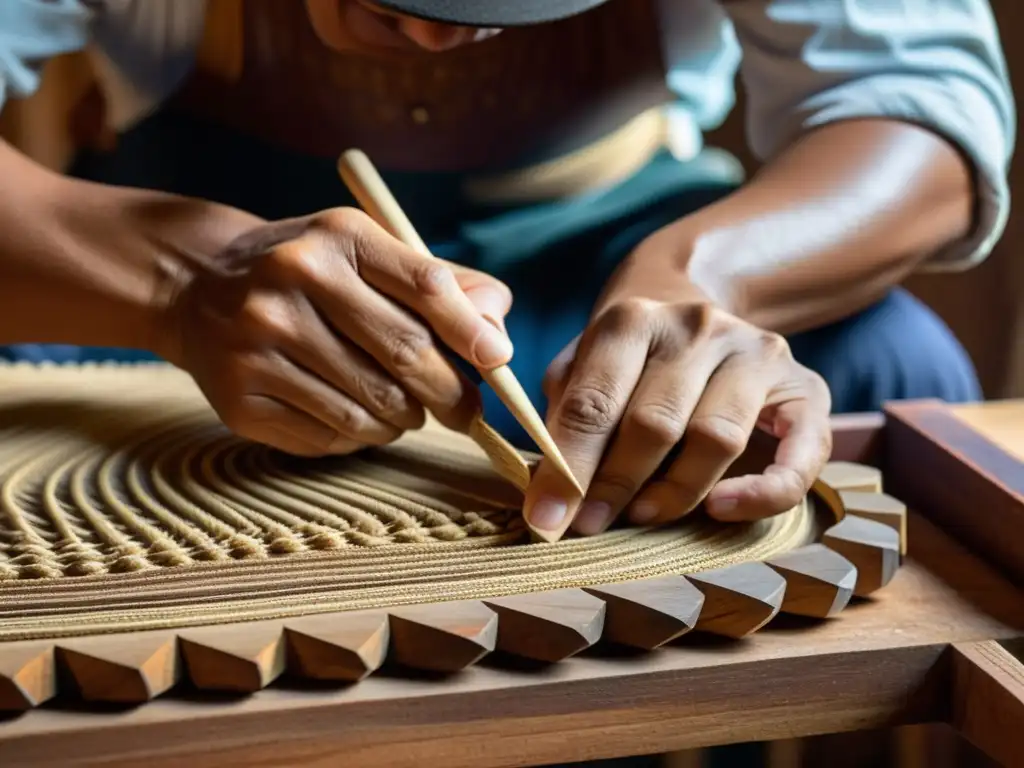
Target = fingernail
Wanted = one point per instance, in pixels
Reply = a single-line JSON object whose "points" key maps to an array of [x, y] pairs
{"points": [[593, 517], [493, 348], [643, 513], [722, 507], [548, 514]]}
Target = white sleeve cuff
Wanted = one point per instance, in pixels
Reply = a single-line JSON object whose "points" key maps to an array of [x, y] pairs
{"points": [[32, 31]]}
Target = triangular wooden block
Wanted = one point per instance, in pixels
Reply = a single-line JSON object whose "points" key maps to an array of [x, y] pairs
{"points": [[337, 646], [739, 599], [649, 613], [442, 637], [881, 508], [872, 547], [819, 581], [122, 669], [548, 626], [241, 658], [847, 476], [28, 675]]}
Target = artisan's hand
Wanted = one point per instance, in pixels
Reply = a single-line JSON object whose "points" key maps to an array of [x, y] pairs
{"points": [[660, 366], [317, 335]]}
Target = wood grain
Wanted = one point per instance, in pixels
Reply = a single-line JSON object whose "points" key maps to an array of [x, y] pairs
{"points": [[988, 700], [965, 482], [819, 581], [873, 548], [344, 647], [874, 665], [648, 613]]}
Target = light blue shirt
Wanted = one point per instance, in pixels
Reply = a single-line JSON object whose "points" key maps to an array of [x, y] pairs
{"points": [[804, 63]]}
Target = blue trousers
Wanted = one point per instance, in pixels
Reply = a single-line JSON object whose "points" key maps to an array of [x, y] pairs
{"points": [[555, 257]]}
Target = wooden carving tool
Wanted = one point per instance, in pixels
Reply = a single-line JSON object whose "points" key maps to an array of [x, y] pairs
{"points": [[367, 186]]}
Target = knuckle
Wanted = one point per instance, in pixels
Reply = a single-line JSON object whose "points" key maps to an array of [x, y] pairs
{"points": [[340, 220], [661, 423], [773, 346], [614, 485], [588, 409], [386, 400], [298, 260], [818, 387], [700, 320], [629, 315], [355, 426], [725, 432], [432, 279], [408, 348], [270, 320], [342, 417]]}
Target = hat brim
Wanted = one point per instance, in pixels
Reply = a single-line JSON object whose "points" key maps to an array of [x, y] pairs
{"points": [[490, 13]]}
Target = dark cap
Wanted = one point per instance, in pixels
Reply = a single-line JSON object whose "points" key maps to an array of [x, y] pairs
{"points": [[490, 13]]}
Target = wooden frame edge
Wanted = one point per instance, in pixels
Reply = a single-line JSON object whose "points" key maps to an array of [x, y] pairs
{"points": [[962, 481], [987, 705], [858, 438], [856, 556]]}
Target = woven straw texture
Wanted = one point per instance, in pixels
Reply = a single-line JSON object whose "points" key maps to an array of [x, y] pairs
{"points": [[126, 505]]}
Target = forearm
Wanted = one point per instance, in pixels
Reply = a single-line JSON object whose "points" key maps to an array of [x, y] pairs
{"points": [[829, 226], [91, 264]]}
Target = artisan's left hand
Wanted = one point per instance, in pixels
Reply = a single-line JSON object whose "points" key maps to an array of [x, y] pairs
{"points": [[659, 364]]}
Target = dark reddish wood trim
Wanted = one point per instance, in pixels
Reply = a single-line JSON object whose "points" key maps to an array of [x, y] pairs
{"points": [[857, 437], [939, 466], [988, 700]]}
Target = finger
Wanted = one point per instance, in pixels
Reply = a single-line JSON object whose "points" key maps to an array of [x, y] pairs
{"points": [[804, 448], [608, 366], [429, 287], [717, 433], [652, 426], [349, 369], [264, 420], [289, 384], [403, 347], [491, 298], [557, 373]]}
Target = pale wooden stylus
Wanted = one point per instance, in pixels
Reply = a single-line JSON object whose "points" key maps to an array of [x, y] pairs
{"points": [[369, 189]]}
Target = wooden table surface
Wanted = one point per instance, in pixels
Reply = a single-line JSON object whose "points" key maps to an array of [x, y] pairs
{"points": [[876, 664]]}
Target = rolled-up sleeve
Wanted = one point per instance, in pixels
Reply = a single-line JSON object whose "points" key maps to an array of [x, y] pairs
{"points": [[32, 31], [935, 63]]}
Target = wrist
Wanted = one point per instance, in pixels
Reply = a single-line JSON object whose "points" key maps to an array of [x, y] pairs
{"points": [[130, 252], [676, 262]]}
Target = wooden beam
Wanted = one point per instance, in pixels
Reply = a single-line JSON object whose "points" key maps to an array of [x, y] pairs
{"points": [[988, 700]]}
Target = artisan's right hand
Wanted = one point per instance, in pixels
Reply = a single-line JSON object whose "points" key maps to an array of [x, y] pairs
{"points": [[317, 335]]}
